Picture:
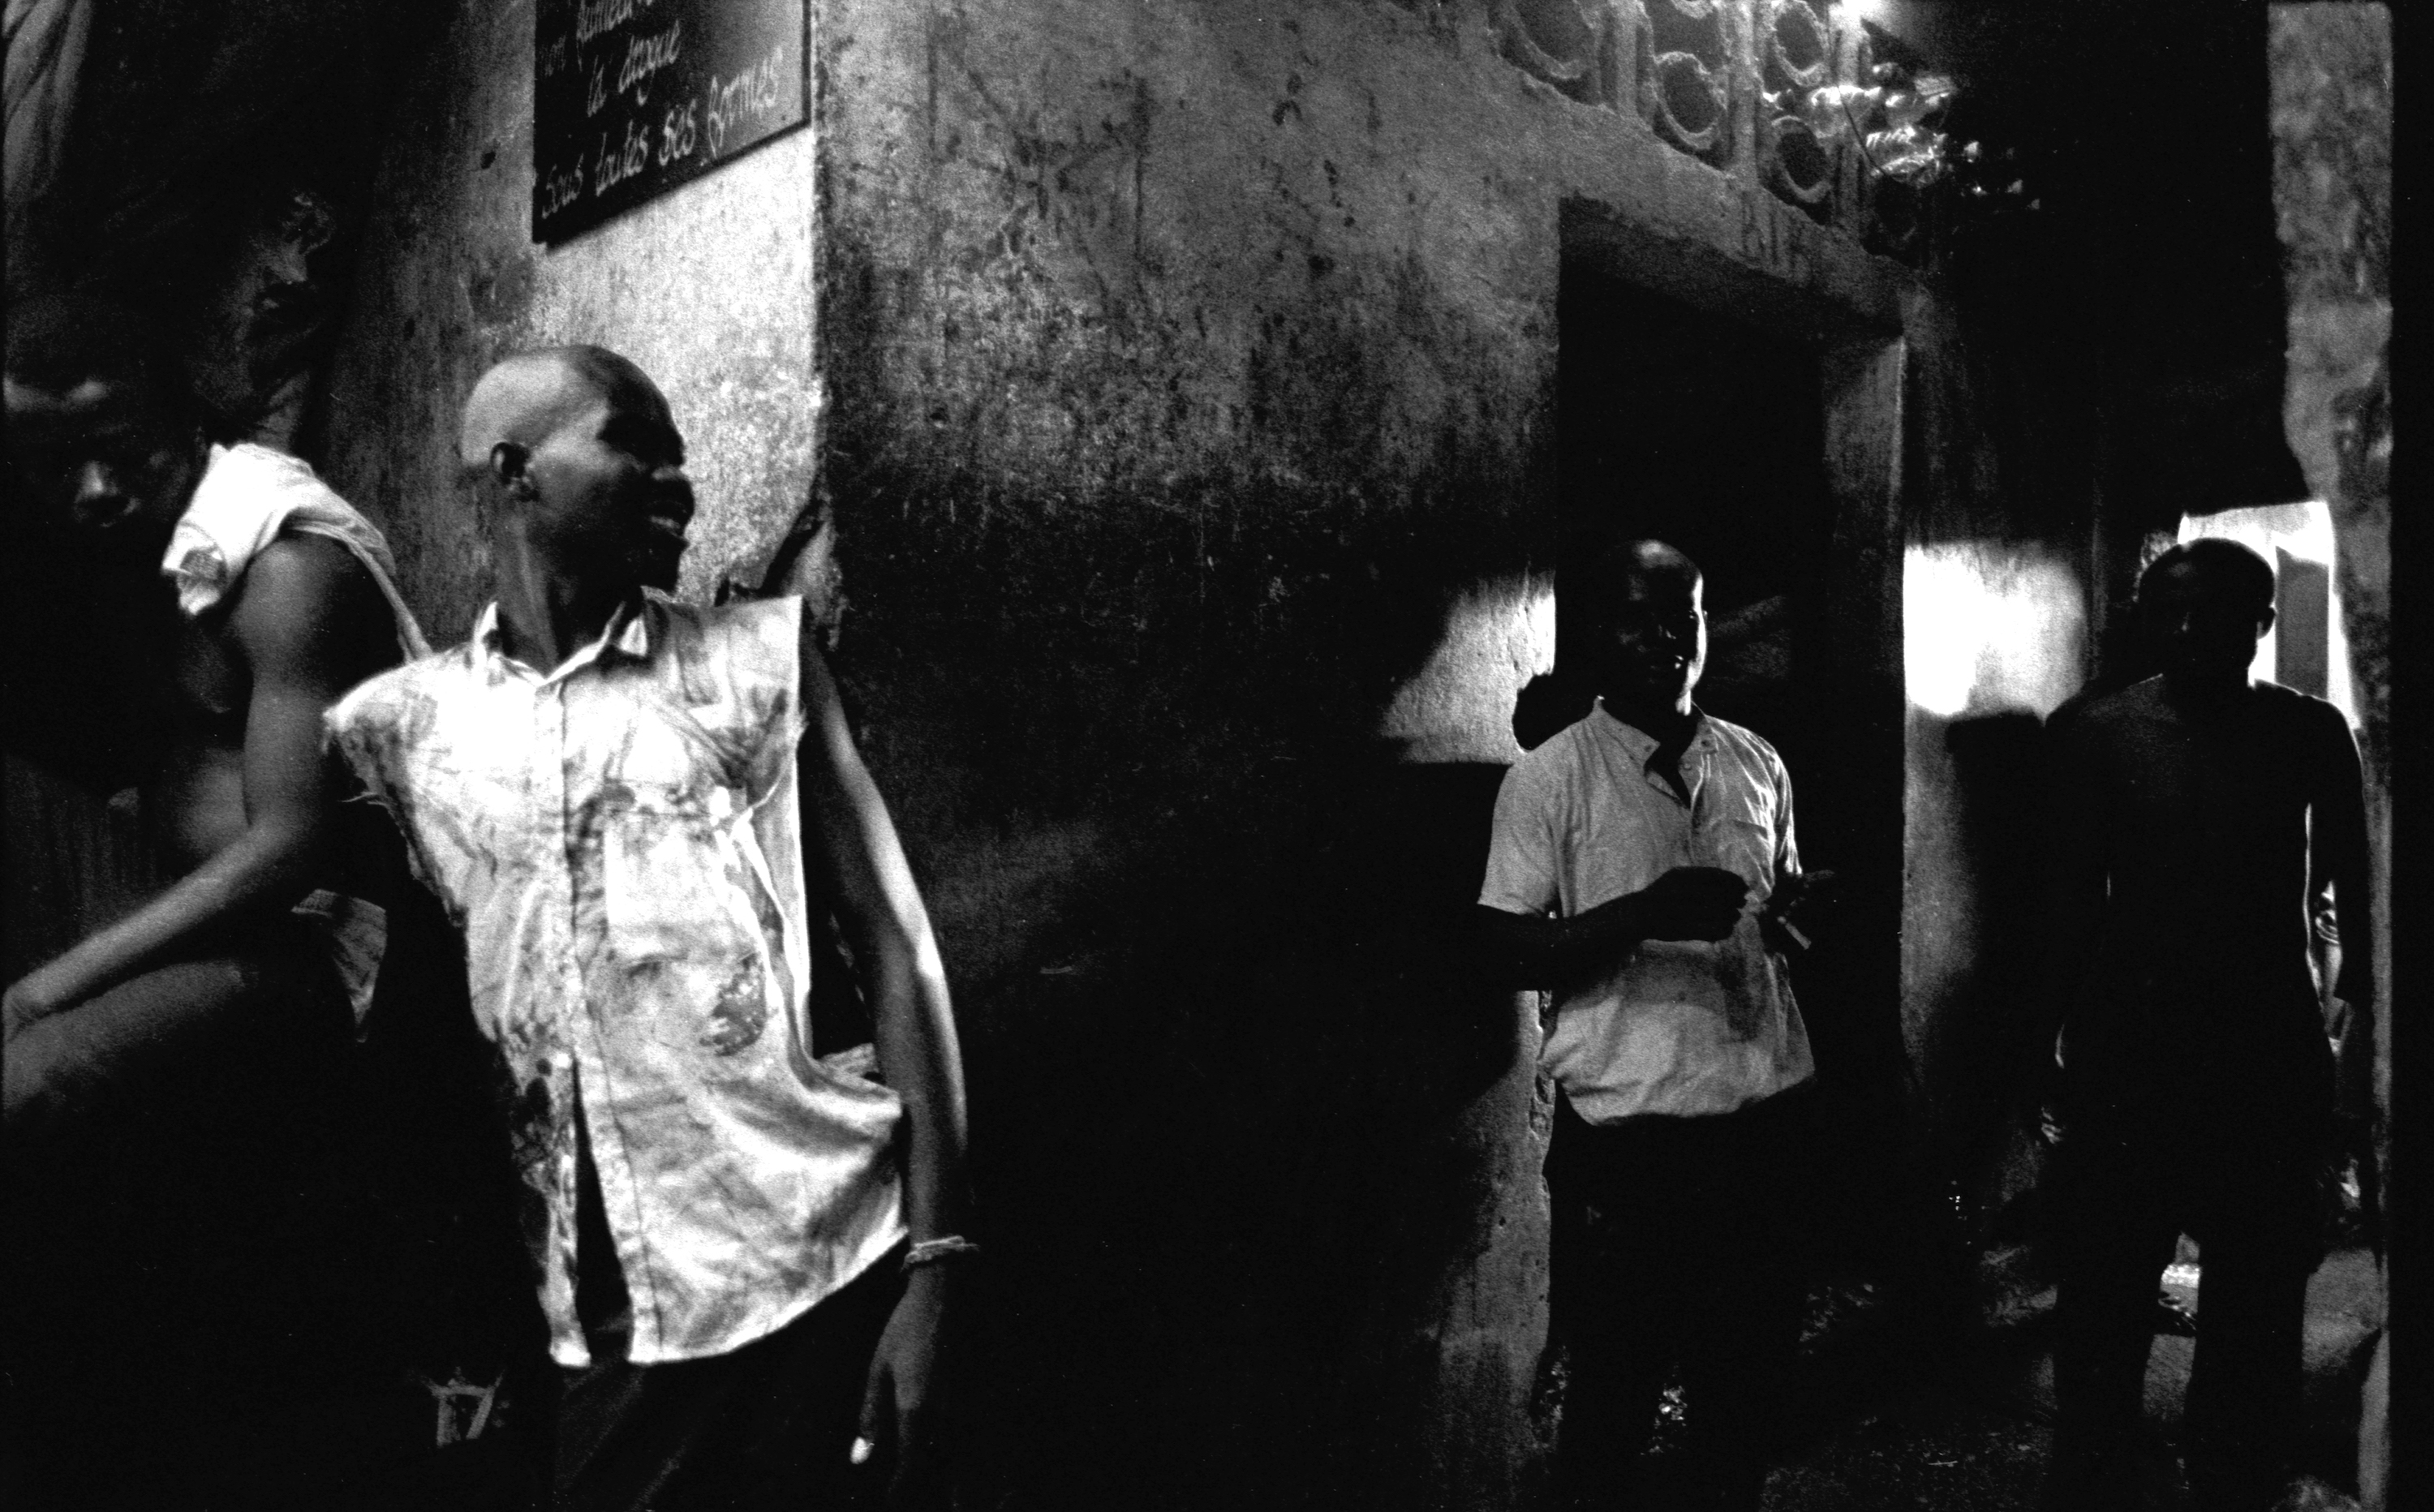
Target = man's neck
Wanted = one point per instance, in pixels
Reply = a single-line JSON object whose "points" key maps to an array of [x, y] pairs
{"points": [[2207, 695], [1670, 725], [547, 613], [1665, 723]]}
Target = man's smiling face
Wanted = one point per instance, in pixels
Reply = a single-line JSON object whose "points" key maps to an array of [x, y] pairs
{"points": [[1655, 645], [610, 489]]}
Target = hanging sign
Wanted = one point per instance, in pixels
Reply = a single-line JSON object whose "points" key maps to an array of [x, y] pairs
{"points": [[633, 97]]}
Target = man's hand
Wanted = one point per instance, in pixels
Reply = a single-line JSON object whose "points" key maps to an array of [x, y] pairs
{"points": [[1690, 903], [909, 1381], [2353, 1063], [1801, 907]]}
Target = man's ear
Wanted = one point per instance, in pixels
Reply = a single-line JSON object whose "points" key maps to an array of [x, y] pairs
{"points": [[512, 464]]}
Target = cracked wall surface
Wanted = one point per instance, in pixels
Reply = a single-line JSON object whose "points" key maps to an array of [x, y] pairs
{"points": [[2332, 86], [1191, 459]]}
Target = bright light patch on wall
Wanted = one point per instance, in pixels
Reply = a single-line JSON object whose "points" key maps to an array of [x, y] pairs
{"points": [[1459, 705], [1989, 629], [2283, 535]]}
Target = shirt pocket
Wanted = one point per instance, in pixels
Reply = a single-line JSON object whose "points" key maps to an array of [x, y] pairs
{"points": [[1739, 835]]}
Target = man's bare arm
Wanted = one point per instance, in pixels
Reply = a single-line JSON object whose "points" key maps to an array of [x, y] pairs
{"points": [[2339, 831], [1536, 951], [862, 863], [310, 624]]}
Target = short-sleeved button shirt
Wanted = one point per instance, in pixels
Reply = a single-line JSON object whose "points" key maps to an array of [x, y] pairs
{"points": [[1683, 1027], [620, 843]]}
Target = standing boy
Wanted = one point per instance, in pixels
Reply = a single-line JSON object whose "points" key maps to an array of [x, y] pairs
{"points": [[1642, 869], [613, 793]]}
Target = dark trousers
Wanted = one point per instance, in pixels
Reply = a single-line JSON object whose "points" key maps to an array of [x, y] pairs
{"points": [[769, 1426], [2246, 1192], [1678, 1245], [176, 1270]]}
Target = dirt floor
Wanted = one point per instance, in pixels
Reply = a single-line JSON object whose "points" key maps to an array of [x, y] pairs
{"points": [[1969, 1432]]}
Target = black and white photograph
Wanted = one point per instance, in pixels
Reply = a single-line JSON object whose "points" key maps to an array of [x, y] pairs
{"points": [[1208, 756]]}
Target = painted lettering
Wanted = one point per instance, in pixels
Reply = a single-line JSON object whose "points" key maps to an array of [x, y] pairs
{"points": [[739, 103], [561, 186], [628, 157], [594, 17], [647, 56], [678, 131]]}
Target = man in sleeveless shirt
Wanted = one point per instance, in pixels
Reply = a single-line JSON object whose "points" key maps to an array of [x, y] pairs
{"points": [[747, 1243]]}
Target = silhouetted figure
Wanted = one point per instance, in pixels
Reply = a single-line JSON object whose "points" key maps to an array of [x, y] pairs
{"points": [[2196, 815], [1643, 870], [171, 1079], [616, 795]]}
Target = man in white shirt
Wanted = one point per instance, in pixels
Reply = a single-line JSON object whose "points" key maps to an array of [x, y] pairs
{"points": [[1642, 869]]}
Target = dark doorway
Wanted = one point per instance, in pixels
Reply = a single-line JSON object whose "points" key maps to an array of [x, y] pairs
{"points": [[1682, 424]]}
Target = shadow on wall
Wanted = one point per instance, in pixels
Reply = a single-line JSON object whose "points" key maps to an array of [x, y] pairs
{"points": [[1993, 641], [1208, 927]]}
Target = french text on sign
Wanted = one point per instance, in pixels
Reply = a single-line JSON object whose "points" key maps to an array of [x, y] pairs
{"points": [[633, 97]]}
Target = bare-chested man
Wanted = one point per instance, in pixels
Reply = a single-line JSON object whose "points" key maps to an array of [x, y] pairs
{"points": [[166, 1060], [2192, 811]]}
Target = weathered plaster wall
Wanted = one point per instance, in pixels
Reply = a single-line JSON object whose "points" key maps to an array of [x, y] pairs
{"points": [[1190, 454], [1996, 640], [1996, 635], [709, 288], [2332, 195], [2332, 191]]}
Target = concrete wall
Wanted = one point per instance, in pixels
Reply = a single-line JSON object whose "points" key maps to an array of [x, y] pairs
{"points": [[1995, 610], [2332, 193], [1190, 455], [2332, 189]]}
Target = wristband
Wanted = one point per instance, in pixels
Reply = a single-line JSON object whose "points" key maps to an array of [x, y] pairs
{"points": [[930, 1251]]}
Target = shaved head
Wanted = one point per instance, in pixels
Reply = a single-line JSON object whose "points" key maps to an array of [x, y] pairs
{"points": [[1648, 630], [1612, 573], [524, 398], [579, 467]]}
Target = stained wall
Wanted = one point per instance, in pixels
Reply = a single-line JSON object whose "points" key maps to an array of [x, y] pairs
{"points": [[1191, 458], [2332, 74]]}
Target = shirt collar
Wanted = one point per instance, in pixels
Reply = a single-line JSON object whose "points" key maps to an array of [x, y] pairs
{"points": [[1643, 745], [626, 633]]}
